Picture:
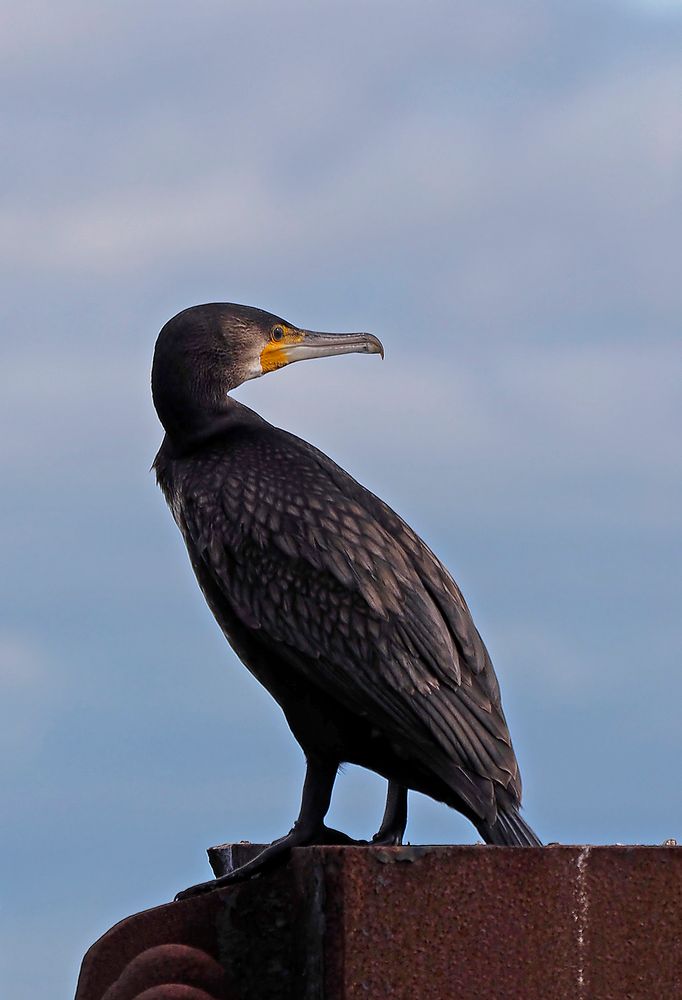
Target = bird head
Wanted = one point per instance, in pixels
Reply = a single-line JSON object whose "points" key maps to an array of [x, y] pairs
{"points": [[205, 351]]}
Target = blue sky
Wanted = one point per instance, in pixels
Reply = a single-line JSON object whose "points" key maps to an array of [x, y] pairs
{"points": [[495, 190]]}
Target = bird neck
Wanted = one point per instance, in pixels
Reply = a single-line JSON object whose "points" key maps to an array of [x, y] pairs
{"points": [[191, 414], [199, 426], [190, 394]]}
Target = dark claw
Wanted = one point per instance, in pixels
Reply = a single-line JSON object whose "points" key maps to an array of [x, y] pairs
{"points": [[337, 837], [389, 839], [275, 854]]}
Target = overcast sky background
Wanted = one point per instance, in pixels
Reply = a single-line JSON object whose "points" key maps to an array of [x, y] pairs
{"points": [[496, 191]]}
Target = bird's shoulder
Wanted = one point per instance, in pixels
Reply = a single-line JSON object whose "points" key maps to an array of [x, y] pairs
{"points": [[261, 499], [264, 487]]}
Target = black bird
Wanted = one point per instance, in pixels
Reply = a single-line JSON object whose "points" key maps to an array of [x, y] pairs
{"points": [[327, 596]]}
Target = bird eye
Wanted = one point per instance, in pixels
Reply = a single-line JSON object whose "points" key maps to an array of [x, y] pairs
{"points": [[277, 333]]}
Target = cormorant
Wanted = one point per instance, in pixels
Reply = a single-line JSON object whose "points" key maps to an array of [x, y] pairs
{"points": [[328, 597]]}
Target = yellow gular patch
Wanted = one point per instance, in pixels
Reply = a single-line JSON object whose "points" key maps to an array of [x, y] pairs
{"points": [[275, 353]]}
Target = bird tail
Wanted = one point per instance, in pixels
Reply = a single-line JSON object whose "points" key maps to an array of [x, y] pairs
{"points": [[509, 830]]}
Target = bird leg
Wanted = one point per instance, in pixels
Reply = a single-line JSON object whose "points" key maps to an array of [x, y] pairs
{"points": [[392, 829], [309, 828]]}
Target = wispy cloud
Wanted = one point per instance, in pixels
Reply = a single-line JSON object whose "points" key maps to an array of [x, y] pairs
{"points": [[553, 199], [27, 696]]}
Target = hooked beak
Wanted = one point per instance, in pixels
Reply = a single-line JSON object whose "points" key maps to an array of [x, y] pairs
{"points": [[298, 345]]}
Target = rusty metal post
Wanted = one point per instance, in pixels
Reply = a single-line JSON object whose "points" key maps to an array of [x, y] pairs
{"points": [[434, 923]]}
